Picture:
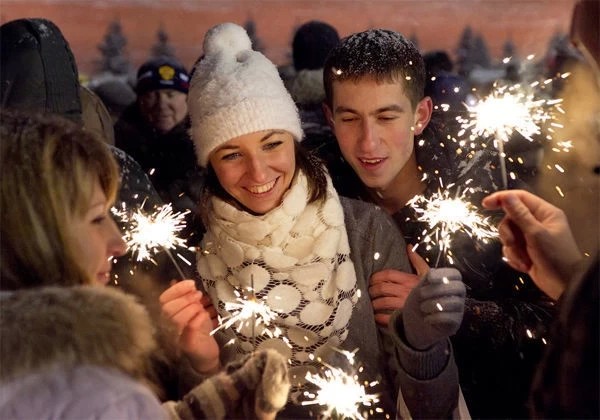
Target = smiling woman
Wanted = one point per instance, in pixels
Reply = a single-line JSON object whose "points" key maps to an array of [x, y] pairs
{"points": [[278, 232]]}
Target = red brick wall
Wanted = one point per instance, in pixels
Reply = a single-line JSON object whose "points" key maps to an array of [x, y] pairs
{"points": [[436, 23]]}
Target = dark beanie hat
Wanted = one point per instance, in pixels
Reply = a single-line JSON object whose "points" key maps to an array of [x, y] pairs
{"points": [[162, 73], [37, 69], [312, 42]]}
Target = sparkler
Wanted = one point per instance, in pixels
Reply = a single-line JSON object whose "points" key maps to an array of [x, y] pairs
{"points": [[446, 215], [148, 234], [339, 392], [506, 110], [249, 311]]}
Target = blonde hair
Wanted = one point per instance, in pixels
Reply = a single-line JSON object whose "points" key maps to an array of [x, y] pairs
{"points": [[48, 169]]}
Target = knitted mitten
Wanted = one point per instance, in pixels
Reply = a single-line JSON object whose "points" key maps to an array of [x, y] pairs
{"points": [[434, 308], [254, 387]]}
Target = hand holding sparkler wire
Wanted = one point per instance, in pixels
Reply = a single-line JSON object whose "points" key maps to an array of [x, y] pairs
{"points": [[194, 317], [536, 239], [434, 309]]}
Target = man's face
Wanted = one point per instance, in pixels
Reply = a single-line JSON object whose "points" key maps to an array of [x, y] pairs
{"points": [[163, 108], [375, 126]]}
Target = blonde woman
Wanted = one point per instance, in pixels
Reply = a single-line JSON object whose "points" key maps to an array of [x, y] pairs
{"points": [[68, 348]]}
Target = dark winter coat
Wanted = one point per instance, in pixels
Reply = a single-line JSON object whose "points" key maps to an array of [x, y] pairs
{"points": [[169, 160], [501, 339]]}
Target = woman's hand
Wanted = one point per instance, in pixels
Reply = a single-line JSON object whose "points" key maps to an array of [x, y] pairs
{"points": [[536, 239], [194, 316]]}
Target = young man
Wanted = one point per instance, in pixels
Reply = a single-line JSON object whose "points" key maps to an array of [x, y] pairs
{"points": [[374, 82]]}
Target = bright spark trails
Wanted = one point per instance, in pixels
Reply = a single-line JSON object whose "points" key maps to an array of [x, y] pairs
{"points": [[339, 392], [251, 311], [447, 215], [149, 234]]}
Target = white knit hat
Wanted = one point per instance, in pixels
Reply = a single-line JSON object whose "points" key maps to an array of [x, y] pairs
{"points": [[235, 91]]}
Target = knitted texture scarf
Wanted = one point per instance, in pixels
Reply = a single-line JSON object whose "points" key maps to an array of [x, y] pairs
{"points": [[296, 260]]}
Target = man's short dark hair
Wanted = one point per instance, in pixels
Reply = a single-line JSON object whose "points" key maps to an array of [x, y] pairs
{"points": [[381, 54]]}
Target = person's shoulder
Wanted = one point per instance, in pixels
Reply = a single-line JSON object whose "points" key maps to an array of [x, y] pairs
{"points": [[84, 391], [364, 214]]}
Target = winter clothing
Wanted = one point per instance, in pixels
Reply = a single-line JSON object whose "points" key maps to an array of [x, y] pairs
{"points": [[305, 244], [37, 68], [494, 352], [116, 94], [52, 367], [162, 73], [38, 73], [74, 353], [95, 116], [167, 158], [311, 44], [236, 90], [434, 308], [310, 262], [368, 232]]}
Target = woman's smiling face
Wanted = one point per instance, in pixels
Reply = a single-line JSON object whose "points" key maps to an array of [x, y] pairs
{"points": [[257, 168]]}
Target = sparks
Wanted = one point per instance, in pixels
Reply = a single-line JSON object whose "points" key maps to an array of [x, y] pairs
{"points": [[506, 110], [446, 215], [149, 234], [339, 392], [249, 312]]}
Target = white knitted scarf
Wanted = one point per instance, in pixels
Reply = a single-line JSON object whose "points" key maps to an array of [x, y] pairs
{"points": [[297, 259]]}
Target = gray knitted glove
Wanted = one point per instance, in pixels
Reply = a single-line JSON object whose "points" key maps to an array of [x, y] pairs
{"points": [[254, 387], [434, 308]]}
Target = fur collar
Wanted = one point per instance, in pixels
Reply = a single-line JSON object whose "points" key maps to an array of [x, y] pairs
{"points": [[59, 326]]}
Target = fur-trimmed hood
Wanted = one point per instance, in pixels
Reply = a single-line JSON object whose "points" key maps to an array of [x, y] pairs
{"points": [[58, 326]]}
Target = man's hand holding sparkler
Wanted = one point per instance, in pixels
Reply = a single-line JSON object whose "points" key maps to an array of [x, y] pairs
{"points": [[388, 290], [194, 317], [434, 309], [536, 239]]}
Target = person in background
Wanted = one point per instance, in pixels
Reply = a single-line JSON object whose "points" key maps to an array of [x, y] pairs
{"points": [[154, 131], [276, 228], [312, 42], [71, 348], [117, 94], [374, 81]]}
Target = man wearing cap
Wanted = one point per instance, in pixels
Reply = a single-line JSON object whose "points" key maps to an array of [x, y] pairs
{"points": [[154, 131]]}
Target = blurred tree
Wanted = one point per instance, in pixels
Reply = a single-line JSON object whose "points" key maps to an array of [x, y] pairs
{"points": [[114, 59], [464, 50], [481, 55], [162, 47], [250, 27]]}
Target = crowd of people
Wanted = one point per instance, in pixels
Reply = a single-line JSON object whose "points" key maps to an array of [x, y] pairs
{"points": [[298, 195]]}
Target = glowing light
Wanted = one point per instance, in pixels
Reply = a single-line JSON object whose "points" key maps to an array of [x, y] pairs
{"points": [[250, 312], [339, 393], [147, 235], [506, 110], [446, 215]]}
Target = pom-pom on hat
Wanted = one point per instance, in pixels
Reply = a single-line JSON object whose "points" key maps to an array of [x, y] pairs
{"points": [[162, 73], [236, 91]]}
